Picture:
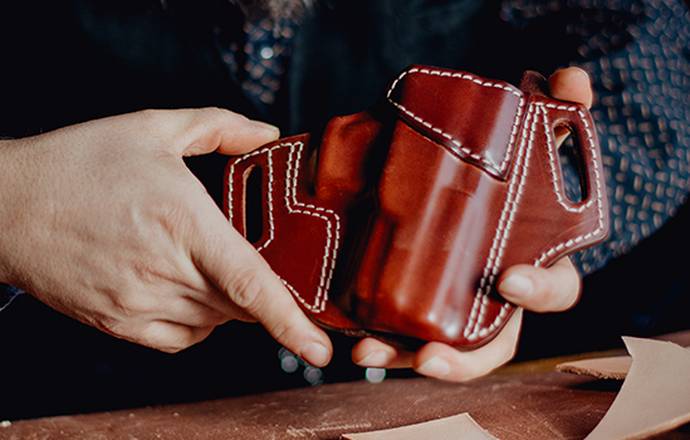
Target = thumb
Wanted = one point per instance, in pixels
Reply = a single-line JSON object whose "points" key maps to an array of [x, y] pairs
{"points": [[539, 289], [238, 271], [205, 130], [571, 84]]}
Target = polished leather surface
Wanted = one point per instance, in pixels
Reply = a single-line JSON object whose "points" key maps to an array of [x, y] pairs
{"points": [[397, 223]]}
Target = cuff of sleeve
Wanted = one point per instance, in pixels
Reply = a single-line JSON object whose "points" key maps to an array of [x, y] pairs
{"points": [[7, 295]]}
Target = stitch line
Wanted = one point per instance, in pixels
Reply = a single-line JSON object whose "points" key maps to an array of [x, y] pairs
{"points": [[456, 145], [326, 276], [599, 198], [513, 207], [290, 199], [232, 172], [517, 181], [271, 227], [512, 141], [231, 176], [481, 332], [329, 211], [552, 162]]}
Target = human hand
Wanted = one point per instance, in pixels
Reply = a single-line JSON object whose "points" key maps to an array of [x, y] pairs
{"points": [[537, 289], [103, 222]]}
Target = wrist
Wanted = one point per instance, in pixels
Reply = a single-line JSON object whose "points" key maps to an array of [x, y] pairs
{"points": [[13, 181]]}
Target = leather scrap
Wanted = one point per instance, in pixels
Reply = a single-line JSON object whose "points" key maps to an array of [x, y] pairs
{"points": [[655, 396], [613, 367], [610, 367], [461, 426]]}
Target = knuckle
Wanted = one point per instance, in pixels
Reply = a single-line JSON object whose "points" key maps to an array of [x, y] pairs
{"points": [[218, 112], [246, 289], [215, 111], [128, 303], [158, 338], [144, 269], [280, 332], [174, 220], [209, 316], [149, 117], [176, 345], [211, 116], [112, 326], [172, 349]]}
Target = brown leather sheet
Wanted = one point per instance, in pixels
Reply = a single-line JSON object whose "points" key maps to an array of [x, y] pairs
{"points": [[535, 406], [461, 426], [615, 367], [520, 403], [655, 396], [612, 367]]}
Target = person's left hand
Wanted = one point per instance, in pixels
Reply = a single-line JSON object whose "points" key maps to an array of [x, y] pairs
{"points": [[552, 289]]}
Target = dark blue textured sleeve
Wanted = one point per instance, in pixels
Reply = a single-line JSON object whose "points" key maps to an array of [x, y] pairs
{"points": [[638, 56], [7, 295]]}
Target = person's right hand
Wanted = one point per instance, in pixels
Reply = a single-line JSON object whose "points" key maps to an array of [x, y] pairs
{"points": [[104, 222]]}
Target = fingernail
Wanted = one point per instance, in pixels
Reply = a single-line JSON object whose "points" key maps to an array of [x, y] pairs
{"points": [[316, 354], [580, 72], [516, 285], [378, 358], [435, 367], [268, 128]]}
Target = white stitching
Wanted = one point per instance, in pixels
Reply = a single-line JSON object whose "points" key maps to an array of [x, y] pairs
{"points": [[326, 275], [456, 145], [271, 229], [552, 162], [504, 224], [484, 286], [600, 203], [290, 198], [513, 132]]}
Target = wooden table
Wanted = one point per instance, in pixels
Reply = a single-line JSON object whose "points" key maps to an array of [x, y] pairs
{"points": [[521, 401]]}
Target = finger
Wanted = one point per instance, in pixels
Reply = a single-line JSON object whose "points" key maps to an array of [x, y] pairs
{"points": [[370, 352], [190, 312], [540, 289], [220, 130], [444, 362], [221, 303], [201, 290], [201, 131], [170, 337], [571, 84], [233, 265]]}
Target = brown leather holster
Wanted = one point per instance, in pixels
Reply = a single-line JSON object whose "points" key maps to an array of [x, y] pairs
{"points": [[398, 225]]}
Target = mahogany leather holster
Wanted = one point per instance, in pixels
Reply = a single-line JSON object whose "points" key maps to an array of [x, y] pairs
{"points": [[397, 222]]}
